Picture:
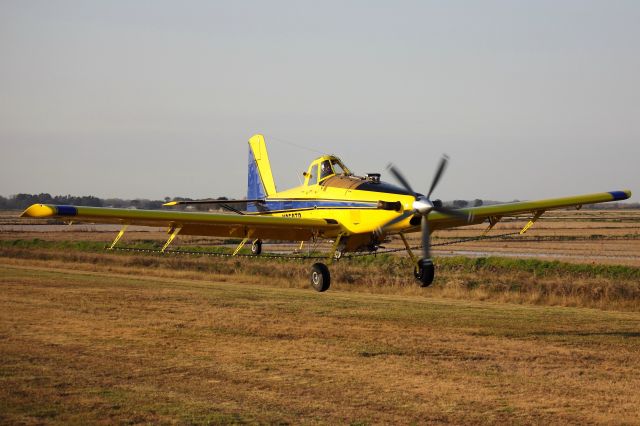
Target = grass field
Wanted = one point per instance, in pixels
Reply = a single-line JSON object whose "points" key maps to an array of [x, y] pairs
{"points": [[88, 336], [87, 346], [498, 279]]}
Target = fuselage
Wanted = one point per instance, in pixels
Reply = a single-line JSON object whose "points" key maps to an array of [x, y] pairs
{"points": [[360, 204]]}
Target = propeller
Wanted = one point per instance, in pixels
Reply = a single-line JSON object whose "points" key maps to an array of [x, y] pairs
{"points": [[423, 205]]}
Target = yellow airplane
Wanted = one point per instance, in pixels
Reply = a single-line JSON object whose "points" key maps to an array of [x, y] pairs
{"points": [[355, 212]]}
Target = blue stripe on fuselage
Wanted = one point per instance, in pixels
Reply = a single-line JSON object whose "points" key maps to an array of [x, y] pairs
{"points": [[300, 204], [284, 205]]}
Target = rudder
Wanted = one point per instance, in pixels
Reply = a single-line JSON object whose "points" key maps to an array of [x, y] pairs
{"points": [[260, 178]]}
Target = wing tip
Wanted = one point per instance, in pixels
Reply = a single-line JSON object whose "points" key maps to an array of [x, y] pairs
{"points": [[49, 210], [620, 195], [39, 210]]}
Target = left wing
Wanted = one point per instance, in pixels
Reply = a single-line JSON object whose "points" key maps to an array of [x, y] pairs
{"points": [[495, 212], [193, 223]]}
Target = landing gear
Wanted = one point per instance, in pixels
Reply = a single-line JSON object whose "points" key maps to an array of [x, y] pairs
{"points": [[320, 277], [256, 247], [424, 272]]}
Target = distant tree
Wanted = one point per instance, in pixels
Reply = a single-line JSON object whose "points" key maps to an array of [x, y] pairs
{"points": [[90, 200], [477, 202], [22, 201], [45, 198], [116, 202], [153, 204]]}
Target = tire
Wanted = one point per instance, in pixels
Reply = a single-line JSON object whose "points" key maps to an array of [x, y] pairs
{"points": [[320, 277], [256, 247], [424, 272]]}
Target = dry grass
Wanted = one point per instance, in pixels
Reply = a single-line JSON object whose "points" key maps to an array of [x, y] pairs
{"points": [[98, 347], [93, 337], [495, 279]]}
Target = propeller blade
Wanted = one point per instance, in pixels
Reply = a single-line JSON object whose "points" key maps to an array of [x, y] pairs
{"points": [[426, 238], [454, 213], [396, 173], [397, 219], [438, 175]]}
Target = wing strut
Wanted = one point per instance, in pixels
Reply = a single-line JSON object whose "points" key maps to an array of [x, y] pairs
{"points": [[120, 234], [174, 233], [532, 221], [492, 222], [243, 242]]}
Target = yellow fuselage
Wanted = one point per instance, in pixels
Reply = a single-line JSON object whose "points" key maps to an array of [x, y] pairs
{"points": [[360, 205]]}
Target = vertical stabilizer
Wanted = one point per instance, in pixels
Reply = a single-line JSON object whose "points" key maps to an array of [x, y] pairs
{"points": [[260, 183]]}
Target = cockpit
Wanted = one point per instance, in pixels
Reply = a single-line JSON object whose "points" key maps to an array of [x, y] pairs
{"points": [[329, 171], [324, 168]]}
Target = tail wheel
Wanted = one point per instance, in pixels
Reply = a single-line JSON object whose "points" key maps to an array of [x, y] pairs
{"points": [[320, 277], [424, 272], [256, 247]]}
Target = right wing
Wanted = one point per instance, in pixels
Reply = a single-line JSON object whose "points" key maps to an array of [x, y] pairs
{"points": [[192, 223]]}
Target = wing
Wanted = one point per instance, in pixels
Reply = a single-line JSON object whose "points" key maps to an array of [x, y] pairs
{"points": [[497, 211], [223, 225]]}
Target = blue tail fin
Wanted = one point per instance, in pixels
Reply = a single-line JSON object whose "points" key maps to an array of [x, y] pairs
{"points": [[260, 182]]}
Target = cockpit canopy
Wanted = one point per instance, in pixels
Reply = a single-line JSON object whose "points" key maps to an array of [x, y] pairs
{"points": [[324, 168]]}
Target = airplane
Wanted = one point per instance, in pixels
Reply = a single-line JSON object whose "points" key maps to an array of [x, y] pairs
{"points": [[356, 213]]}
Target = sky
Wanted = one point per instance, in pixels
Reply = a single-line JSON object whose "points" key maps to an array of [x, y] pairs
{"points": [[155, 99]]}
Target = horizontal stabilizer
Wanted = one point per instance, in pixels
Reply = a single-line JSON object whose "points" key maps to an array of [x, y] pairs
{"points": [[187, 202]]}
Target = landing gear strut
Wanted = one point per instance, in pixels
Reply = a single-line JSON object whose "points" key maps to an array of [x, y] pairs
{"points": [[256, 247], [320, 277], [424, 272]]}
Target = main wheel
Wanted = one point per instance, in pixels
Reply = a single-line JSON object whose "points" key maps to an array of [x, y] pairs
{"points": [[320, 277], [424, 272], [256, 247]]}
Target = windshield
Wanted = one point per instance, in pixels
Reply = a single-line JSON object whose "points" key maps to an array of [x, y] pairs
{"points": [[325, 169], [337, 168]]}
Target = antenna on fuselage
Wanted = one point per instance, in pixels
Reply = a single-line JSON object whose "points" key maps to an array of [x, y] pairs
{"points": [[295, 145], [286, 142]]}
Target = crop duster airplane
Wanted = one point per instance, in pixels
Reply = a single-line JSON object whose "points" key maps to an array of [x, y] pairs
{"points": [[357, 213]]}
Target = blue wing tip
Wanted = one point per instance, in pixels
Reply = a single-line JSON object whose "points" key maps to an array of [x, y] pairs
{"points": [[620, 195]]}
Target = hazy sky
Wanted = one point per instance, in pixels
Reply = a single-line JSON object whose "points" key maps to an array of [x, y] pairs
{"points": [[155, 98]]}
